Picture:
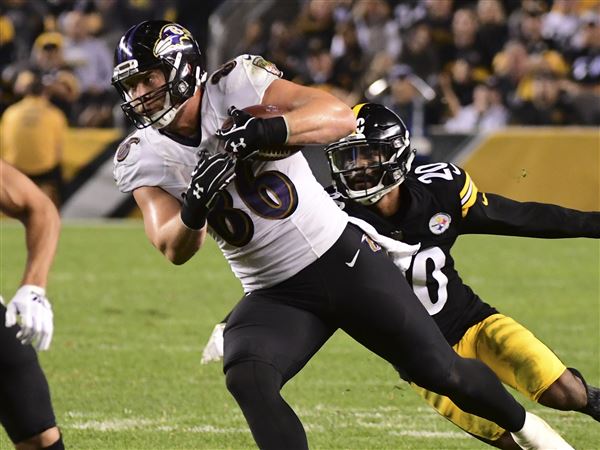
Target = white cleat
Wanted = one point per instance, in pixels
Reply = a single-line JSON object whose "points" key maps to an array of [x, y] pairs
{"points": [[538, 435]]}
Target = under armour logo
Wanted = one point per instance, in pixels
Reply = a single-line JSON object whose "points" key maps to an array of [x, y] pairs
{"points": [[198, 191], [235, 146]]}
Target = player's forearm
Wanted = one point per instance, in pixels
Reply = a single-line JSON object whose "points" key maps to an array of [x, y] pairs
{"points": [[178, 242], [163, 225], [312, 116], [555, 222], [319, 122], [508, 217], [42, 230]]}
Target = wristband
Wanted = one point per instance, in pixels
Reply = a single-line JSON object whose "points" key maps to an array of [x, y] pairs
{"points": [[194, 220], [275, 131]]}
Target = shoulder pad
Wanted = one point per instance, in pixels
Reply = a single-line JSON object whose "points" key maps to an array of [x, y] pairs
{"points": [[438, 173], [244, 71], [240, 82], [258, 64], [135, 163], [449, 182]]}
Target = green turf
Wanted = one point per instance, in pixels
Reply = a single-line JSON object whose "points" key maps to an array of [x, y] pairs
{"points": [[125, 370]]}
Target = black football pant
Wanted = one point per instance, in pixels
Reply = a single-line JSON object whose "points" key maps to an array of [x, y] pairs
{"points": [[272, 333], [25, 407]]}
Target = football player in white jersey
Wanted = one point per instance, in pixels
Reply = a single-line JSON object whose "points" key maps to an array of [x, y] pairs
{"points": [[305, 270], [25, 406]]}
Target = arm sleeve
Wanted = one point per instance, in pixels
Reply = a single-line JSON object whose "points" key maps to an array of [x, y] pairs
{"points": [[494, 214]]}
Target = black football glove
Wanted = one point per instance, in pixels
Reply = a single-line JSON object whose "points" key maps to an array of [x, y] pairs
{"points": [[212, 174], [248, 133]]}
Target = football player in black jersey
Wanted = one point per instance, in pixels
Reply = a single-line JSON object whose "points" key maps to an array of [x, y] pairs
{"points": [[432, 205]]}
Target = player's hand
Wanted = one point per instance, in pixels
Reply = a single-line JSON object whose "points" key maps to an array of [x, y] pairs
{"points": [[32, 311], [248, 133], [212, 174], [213, 351], [241, 139]]}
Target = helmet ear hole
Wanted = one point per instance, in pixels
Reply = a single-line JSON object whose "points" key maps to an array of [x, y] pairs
{"points": [[182, 88]]}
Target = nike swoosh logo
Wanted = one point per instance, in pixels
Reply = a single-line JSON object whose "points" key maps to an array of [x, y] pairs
{"points": [[351, 263]]}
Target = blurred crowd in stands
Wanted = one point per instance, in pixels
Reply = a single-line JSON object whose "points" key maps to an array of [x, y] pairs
{"points": [[69, 44], [461, 65]]}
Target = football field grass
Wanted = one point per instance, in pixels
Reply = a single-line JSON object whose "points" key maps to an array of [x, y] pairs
{"points": [[124, 366]]}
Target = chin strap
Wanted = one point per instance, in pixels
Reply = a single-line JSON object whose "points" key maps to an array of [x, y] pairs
{"points": [[168, 117], [371, 200], [200, 77]]}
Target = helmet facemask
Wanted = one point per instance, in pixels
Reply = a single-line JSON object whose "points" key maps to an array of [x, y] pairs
{"points": [[180, 85], [367, 169]]}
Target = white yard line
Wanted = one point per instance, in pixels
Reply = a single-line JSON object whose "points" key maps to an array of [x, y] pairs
{"points": [[114, 424], [138, 424], [387, 419], [432, 434]]}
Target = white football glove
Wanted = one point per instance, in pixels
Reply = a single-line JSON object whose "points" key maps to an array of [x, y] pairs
{"points": [[213, 351], [32, 311]]}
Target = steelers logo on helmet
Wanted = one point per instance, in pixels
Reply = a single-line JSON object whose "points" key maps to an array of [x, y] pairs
{"points": [[151, 46], [372, 161]]}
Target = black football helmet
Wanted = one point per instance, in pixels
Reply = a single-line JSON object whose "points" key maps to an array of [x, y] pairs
{"points": [[372, 161], [158, 44]]}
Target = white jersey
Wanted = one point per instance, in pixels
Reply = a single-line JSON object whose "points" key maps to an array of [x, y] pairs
{"points": [[271, 222]]}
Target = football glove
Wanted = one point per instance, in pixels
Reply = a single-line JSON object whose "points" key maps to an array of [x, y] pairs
{"points": [[212, 174], [213, 351], [32, 311], [248, 133]]}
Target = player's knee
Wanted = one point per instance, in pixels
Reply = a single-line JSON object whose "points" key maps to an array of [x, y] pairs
{"points": [[440, 376], [236, 380], [250, 379], [566, 393]]}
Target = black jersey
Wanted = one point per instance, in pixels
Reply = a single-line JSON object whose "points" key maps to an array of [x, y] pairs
{"points": [[438, 203]]}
